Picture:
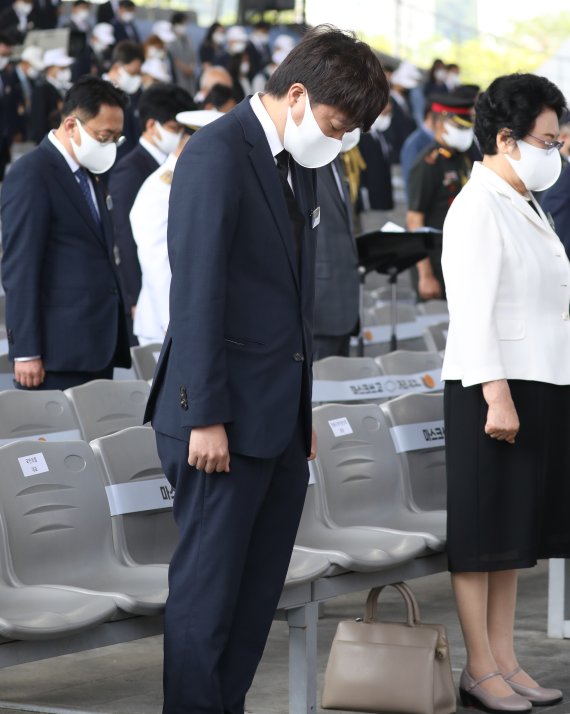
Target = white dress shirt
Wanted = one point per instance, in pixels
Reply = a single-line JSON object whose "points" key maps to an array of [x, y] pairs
{"points": [[507, 281], [275, 143], [158, 155]]}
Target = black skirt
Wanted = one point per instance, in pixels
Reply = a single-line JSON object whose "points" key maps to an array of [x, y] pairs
{"points": [[508, 505]]}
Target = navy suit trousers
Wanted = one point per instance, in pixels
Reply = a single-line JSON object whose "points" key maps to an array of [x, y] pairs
{"points": [[237, 532]]}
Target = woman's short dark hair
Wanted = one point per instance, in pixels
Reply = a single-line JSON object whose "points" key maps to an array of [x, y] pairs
{"points": [[514, 102], [88, 95], [337, 69]]}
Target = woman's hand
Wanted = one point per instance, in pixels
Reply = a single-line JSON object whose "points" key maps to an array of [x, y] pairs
{"points": [[502, 418]]}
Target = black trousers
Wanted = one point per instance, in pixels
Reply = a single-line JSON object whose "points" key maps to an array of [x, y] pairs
{"points": [[237, 532]]}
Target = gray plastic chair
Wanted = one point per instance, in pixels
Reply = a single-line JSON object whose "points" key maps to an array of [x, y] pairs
{"points": [[354, 547], [423, 469], [6, 373], [306, 565], [403, 295], [409, 362], [406, 314], [144, 360], [39, 416], [58, 527], [435, 336], [104, 406], [433, 307], [129, 461], [362, 483], [341, 368]]}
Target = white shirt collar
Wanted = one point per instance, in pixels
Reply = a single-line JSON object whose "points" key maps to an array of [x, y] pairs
{"points": [[156, 154], [275, 143], [71, 162]]}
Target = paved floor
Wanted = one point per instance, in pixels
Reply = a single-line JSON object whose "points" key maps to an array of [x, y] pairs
{"points": [[126, 678]]}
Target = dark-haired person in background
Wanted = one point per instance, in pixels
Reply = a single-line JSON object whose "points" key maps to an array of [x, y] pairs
{"points": [[221, 98], [64, 315], [7, 43], [211, 50], [231, 400], [183, 54], [507, 383], [124, 22], [160, 135]]}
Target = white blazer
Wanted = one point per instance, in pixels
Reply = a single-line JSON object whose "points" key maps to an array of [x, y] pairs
{"points": [[507, 280], [149, 223]]}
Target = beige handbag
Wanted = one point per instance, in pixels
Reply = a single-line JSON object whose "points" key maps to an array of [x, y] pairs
{"points": [[396, 667]]}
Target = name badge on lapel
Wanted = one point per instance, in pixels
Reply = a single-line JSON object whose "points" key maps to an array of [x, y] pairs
{"points": [[315, 216], [109, 202]]}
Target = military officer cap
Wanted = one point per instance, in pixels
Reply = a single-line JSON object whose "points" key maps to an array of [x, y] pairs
{"points": [[457, 108]]}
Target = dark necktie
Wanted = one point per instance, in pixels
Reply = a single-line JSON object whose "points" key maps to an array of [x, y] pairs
{"points": [[297, 219], [86, 191]]}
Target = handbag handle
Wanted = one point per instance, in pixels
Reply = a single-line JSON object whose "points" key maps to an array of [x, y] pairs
{"points": [[412, 607]]}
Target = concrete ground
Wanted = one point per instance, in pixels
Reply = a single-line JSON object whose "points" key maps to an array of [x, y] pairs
{"points": [[126, 678]]}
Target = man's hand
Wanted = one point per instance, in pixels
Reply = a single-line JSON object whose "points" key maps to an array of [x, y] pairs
{"points": [[502, 418], [30, 373], [208, 449], [313, 454], [429, 288]]}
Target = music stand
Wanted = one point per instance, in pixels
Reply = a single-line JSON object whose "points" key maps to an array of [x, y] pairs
{"points": [[389, 253]]}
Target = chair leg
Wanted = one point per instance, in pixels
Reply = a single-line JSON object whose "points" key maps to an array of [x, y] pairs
{"points": [[303, 658]]}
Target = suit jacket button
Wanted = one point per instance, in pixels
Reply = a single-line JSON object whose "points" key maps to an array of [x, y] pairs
{"points": [[298, 357], [183, 398]]}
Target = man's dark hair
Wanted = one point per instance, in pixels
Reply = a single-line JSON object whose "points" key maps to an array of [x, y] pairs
{"points": [[79, 3], [513, 102], [8, 37], [126, 52], [219, 96], [163, 102], [88, 95], [127, 5], [178, 18], [336, 69], [262, 25], [451, 66]]}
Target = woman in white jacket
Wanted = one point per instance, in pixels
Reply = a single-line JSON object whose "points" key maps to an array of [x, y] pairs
{"points": [[507, 391]]}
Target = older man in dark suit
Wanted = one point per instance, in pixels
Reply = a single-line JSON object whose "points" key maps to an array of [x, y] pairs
{"points": [[64, 315], [231, 401], [337, 286]]}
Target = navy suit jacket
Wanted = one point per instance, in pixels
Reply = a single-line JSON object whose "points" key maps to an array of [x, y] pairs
{"points": [[337, 282], [238, 350], [125, 180], [62, 296], [556, 201]]}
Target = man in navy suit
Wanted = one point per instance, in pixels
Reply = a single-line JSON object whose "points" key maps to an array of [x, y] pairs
{"points": [[161, 134], [231, 400], [64, 315]]}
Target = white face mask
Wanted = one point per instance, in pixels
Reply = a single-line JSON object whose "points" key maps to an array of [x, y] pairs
{"points": [[453, 80], [129, 83], [155, 52], [278, 56], [244, 69], [180, 30], [32, 73], [456, 138], [91, 154], [219, 37], [23, 8], [350, 140], [4, 62], [537, 168], [167, 141], [128, 17], [382, 123], [63, 78], [81, 19], [236, 48], [306, 143], [440, 75]]}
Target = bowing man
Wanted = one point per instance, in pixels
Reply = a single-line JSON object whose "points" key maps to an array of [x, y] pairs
{"points": [[231, 400]]}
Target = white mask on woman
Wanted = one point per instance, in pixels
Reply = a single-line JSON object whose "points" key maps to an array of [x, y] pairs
{"points": [[129, 83], [155, 52], [306, 142], [538, 169], [456, 138], [167, 141], [4, 62], [382, 123], [244, 69], [92, 154], [23, 8]]}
